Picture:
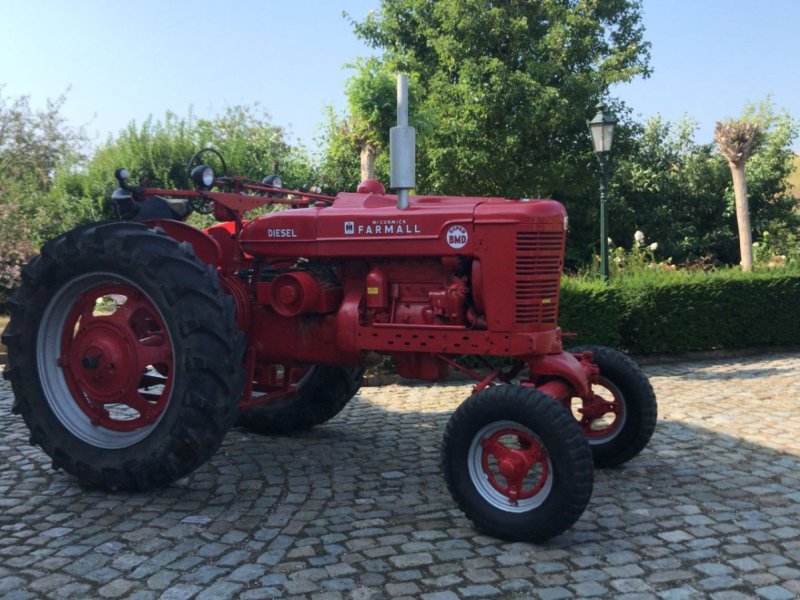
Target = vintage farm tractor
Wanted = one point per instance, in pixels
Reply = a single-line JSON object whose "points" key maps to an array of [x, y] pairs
{"points": [[134, 346]]}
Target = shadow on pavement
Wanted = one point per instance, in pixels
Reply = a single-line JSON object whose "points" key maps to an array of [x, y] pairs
{"points": [[358, 506]]}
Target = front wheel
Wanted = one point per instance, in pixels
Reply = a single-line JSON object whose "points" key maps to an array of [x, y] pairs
{"points": [[124, 356], [621, 417], [517, 464]]}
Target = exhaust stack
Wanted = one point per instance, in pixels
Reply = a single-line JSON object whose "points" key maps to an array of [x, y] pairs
{"points": [[402, 140]]}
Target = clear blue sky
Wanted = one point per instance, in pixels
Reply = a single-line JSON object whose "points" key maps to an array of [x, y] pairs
{"points": [[126, 60]]}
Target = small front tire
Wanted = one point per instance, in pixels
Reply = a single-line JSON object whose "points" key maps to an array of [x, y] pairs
{"points": [[517, 464], [620, 420]]}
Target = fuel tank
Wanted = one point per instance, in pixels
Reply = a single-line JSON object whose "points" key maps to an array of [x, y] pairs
{"points": [[365, 225]]}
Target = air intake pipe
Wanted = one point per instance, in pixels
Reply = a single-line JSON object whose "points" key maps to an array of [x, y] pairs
{"points": [[402, 140]]}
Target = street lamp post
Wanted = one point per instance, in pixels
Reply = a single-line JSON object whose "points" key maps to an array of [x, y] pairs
{"points": [[602, 130]]}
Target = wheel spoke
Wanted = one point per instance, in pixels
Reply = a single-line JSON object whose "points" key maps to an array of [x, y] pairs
{"points": [[534, 455], [96, 412], [494, 447], [595, 410], [123, 313], [514, 486], [152, 350], [147, 410]]}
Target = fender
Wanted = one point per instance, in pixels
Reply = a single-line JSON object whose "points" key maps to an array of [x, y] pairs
{"points": [[576, 373], [205, 247]]}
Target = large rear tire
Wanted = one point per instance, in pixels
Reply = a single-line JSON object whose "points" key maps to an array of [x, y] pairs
{"points": [[517, 463], [323, 391], [621, 419], [124, 356]]}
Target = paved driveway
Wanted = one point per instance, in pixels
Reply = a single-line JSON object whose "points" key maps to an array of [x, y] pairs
{"points": [[357, 509]]}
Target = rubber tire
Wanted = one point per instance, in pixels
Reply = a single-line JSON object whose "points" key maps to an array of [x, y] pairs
{"points": [[321, 397], [207, 354], [640, 406], [568, 450]]}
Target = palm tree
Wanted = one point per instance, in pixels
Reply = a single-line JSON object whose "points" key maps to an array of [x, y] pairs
{"points": [[736, 140]]}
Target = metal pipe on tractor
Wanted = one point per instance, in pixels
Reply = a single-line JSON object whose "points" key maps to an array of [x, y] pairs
{"points": [[402, 141], [133, 346]]}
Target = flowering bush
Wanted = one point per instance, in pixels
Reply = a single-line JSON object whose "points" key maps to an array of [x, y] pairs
{"points": [[640, 257], [769, 252]]}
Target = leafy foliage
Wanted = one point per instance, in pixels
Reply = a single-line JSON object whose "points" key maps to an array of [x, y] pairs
{"points": [[157, 151], [679, 312], [679, 192], [48, 186], [371, 112], [36, 146], [505, 87]]}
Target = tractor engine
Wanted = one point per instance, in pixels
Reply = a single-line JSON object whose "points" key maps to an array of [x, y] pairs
{"points": [[444, 277]]}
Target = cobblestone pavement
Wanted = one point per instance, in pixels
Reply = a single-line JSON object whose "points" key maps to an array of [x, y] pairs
{"points": [[357, 509]]}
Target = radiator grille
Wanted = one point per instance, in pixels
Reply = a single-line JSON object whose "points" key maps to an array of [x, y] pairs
{"points": [[539, 260]]}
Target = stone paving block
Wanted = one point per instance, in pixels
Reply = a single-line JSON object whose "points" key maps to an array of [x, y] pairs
{"points": [[357, 510]]}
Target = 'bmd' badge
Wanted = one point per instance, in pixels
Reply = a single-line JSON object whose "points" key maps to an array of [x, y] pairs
{"points": [[457, 237]]}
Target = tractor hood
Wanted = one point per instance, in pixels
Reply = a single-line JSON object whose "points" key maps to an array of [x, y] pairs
{"points": [[372, 225]]}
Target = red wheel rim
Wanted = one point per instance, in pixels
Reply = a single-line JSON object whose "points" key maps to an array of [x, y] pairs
{"points": [[517, 458], [603, 415], [108, 360]]}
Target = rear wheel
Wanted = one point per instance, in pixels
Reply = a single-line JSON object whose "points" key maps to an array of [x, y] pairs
{"points": [[124, 356], [621, 417], [517, 464], [322, 393]]}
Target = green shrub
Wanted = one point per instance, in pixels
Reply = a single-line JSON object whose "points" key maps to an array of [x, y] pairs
{"points": [[727, 310], [659, 311], [592, 310], [15, 250]]}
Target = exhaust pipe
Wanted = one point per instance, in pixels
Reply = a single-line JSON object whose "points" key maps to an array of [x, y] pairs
{"points": [[402, 140]]}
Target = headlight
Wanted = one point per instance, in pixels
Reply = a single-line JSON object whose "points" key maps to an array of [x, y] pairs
{"points": [[273, 180], [203, 176]]}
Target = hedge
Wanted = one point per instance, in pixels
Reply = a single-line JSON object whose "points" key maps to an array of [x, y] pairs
{"points": [[592, 312], [730, 310]]}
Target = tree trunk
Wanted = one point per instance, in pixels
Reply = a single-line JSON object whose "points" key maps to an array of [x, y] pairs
{"points": [[742, 215], [736, 141], [367, 162]]}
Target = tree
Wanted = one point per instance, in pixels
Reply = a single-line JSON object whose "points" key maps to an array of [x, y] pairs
{"points": [[371, 106], [505, 87], [672, 188], [35, 147], [678, 191], [736, 140], [363, 131], [157, 151]]}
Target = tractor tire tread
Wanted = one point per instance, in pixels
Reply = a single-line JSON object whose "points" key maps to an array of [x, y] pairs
{"points": [[556, 427], [318, 400], [634, 384], [212, 382]]}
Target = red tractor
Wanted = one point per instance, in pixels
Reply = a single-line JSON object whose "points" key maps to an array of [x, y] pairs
{"points": [[134, 346]]}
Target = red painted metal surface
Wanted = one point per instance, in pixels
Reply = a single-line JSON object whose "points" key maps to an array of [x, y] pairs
{"points": [[602, 415], [104, 357], [205, 247], [514, 464], [332, 279], [567, 376]]}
